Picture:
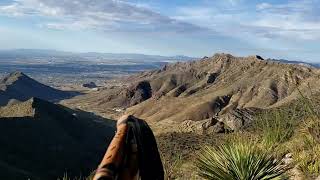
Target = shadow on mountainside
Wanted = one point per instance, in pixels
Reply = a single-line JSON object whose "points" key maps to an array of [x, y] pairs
{"points": [[19, 87], [54, 141]]}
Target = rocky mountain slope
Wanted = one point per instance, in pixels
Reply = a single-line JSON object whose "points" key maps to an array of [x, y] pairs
{"points": [[19, 87], [223, 86], [41, 140], [212, 95]]}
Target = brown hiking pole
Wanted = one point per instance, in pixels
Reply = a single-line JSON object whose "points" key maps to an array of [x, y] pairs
{"points": [[111, 162]]}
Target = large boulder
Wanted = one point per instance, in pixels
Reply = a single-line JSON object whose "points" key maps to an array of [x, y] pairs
{"points": [[217, 128], [210, 123], [207, 126], [237, 119]]}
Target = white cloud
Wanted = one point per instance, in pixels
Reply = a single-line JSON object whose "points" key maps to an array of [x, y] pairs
{"points": [[94, 14], [291, 21], [295, 20], [263, 6]]}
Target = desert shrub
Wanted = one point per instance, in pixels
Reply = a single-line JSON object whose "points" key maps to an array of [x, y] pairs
{"points": [[306, 152], [304, 140], [308, 161], [276, 126], [177, 150], [307, 155], [310, 104], [171, 165], [243, 137], [239, 161]]}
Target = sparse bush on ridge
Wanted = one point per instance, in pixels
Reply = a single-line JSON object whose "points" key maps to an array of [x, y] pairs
{"points": [[310, 107], [309, 162], [171, 165], [275, 126], [308, 157], [239, 161]]}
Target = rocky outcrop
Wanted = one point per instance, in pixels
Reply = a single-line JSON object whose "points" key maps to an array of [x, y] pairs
{"points": [[238, 119], [210, 122], [234, 120], [90, 85], [139, 93], [217, 128], [211, 77], [208, 126]]}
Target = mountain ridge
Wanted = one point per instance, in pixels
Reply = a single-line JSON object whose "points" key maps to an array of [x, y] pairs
{"points": [[47, 53], [201, 89], [20, 87]]}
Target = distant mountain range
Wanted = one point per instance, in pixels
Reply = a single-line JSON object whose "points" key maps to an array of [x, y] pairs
{"points": [[38, 53], [317, 65], [55, 55]]}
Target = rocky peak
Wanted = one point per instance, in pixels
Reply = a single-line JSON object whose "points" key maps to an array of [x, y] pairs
{"points": [[14, 76]]}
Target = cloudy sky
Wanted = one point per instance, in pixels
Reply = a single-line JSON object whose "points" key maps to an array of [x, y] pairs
{"points": [[276, 28]]}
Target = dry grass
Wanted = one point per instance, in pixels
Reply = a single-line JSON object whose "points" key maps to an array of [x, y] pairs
{"points": [[178, 152], [276, 126]]}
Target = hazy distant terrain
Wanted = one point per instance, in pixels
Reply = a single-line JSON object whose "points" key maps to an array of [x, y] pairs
{"points": [[59, 68]]}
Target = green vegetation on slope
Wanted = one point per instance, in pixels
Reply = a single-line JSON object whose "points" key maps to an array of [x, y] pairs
{"points": [[284, 133], [239, 161]]}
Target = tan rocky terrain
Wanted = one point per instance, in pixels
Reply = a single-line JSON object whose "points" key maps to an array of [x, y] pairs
{"points": [[225, 87], [197, 103], [188, 105]]}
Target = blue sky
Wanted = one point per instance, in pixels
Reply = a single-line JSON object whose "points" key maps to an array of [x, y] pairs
{"points": [[277, 28]]}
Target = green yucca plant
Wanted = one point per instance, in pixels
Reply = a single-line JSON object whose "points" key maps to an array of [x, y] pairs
{"points": [[239, 161]]}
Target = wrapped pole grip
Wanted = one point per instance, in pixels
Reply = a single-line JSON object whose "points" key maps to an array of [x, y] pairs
{"points": [[111, 162]]}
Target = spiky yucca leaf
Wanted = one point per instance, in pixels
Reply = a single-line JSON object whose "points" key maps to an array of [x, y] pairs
{"points": [[239, 161]]}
